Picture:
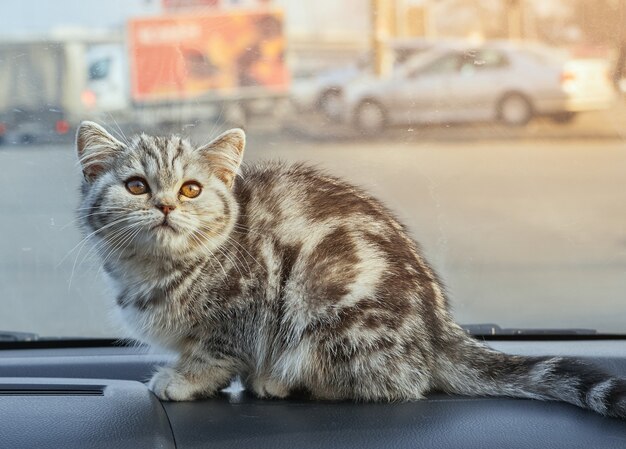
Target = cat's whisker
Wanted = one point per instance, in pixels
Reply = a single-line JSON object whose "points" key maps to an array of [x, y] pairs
{"points": [[197, 238], [82, 244], [246, 231], [113, 240], [85, 239], [101, 207], [238, 247], [104, 210], [102, 228], [237, 256], [243, 248], [106, 248], [211, 254], [236, 226], [215, 124], [93, 214], [240, 256], [109, 239], [96, 249], [225, 254], [124, 241], [130, 241], [206, 236], [119, 131]]}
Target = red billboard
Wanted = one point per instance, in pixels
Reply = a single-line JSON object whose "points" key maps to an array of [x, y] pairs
{"points": [[185, 56]]}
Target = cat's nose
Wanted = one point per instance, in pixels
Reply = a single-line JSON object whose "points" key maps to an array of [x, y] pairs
{"points": [[165, 208]]}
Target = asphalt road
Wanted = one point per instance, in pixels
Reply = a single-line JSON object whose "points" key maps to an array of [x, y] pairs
{"points": [[525, 232]]}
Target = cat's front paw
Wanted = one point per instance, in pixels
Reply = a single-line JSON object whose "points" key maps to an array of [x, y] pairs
{"points": [[169, 385], [269, 388]]}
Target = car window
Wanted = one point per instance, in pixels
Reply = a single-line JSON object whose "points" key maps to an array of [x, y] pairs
{"points": [[402, 54], [99, 69], [482, 60], [490, 59], [512, 182], [446, 64]]}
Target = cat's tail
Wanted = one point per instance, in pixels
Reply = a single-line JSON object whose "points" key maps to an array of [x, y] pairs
{"points": [[474, 369]]}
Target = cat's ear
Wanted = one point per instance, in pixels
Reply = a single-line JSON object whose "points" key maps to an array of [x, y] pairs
{"points": [[224, 154], [96, 149]]}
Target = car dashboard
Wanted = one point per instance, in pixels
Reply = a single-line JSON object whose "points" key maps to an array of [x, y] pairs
{"points": [[96, 398]]}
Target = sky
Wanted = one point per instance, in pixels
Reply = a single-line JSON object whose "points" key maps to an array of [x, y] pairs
{"points": [[39, 17], [42, 16]]}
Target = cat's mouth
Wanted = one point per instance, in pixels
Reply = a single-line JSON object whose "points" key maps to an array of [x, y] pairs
{"points": [[165, 226]]}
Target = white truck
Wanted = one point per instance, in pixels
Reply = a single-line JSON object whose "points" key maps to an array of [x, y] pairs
{"points": [[181, 68], [41, 85], [173, 69]]}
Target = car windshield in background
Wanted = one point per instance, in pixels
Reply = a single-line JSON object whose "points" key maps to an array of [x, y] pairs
{"points": [[496, 130]]}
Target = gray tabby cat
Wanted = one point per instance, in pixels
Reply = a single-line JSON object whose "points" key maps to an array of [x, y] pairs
{"points": [[290, 279]]}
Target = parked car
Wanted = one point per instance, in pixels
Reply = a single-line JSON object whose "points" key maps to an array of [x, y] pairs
{"points": [[324, 91], [496, 81]]}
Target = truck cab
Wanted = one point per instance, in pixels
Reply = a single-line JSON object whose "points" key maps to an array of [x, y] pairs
{"points": [[107, 87]]}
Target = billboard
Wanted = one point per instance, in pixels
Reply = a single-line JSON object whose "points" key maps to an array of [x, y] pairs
{"points": [[177, 57]]}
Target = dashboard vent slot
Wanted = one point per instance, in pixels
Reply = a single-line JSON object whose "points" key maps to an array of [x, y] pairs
{"points": [[50, 390]]}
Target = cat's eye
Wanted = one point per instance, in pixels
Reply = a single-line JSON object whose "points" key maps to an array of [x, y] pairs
{"points": [[137, 186], [191, 189]]}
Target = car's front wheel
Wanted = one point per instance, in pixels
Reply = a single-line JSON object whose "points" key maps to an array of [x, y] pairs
{"points": [[515, 110], [370, 117]]}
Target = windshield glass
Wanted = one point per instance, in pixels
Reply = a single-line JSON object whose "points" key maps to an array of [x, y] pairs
{"points": [[508, 169]]}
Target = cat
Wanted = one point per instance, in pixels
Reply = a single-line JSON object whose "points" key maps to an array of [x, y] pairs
{"points": [[289, 278]]}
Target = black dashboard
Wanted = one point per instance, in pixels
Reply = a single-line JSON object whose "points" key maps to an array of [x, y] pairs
{"points": [[95, 398]]}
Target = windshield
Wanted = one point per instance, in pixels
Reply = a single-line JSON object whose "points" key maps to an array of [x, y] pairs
{"points": [[500, 143]]}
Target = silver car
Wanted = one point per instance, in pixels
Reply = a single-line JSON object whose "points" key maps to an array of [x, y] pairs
{"points": [[497, 81], [324, 91]]}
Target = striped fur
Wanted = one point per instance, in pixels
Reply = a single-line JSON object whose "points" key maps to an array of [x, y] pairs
{"points": [[291, 279]]}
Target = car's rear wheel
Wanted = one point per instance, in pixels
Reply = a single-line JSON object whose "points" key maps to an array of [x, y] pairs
{"points": [[370, 117], [330, 103], [515, 110]]}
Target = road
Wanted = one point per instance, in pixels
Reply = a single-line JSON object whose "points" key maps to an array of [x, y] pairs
{"points": [[526, 232]]}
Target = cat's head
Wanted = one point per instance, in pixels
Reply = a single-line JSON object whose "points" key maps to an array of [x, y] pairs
{"points": [[157, 196]]}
